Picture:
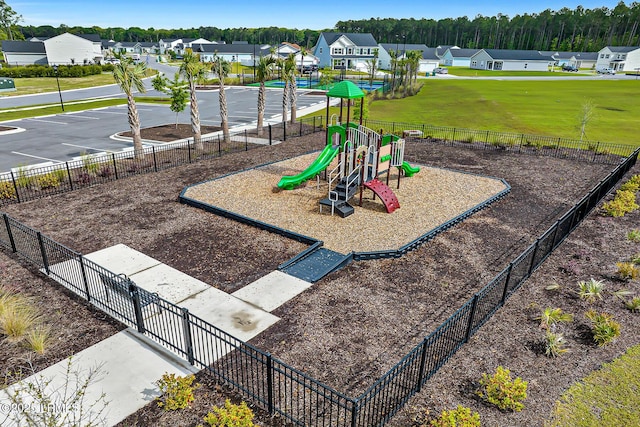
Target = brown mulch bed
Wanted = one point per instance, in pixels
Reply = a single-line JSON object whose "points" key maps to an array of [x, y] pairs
{"points": [[351, 327], [6, 128], [172, 132]]}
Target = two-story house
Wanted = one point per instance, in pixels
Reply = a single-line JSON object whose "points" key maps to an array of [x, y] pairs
{"points": [[619, 58], [345, 50]]}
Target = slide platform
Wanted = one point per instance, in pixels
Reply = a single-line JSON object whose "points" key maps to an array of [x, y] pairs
{"points": [[319, 164]]}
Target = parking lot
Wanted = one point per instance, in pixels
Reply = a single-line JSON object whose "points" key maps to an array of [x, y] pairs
{"points": [[59, 138]]}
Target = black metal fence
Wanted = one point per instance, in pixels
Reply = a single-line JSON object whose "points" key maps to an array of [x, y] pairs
{"points": [[25, 183], [270, 383]]}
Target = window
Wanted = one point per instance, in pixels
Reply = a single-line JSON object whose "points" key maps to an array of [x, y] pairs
{"points": [[525, 66], [474, 63], [350, 51], [337, 51], [602, 56], [606, 56], [320, 51]]}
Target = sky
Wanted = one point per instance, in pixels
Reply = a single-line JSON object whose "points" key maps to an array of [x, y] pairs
{"points": [[314, 15]]}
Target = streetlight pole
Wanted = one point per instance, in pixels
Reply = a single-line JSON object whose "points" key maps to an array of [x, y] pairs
{"points": [[55, 70]]}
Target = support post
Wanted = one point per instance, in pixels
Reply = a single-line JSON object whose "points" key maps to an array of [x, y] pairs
{"points": [[84, 278], [270, 384], [69, 175], [43, 252], [137, 307], [188, 340], [8, 226], [474, 303]]}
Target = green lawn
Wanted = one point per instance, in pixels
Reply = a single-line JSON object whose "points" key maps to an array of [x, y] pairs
{"points": [[537, 107], [606, 398], [468, 72]]}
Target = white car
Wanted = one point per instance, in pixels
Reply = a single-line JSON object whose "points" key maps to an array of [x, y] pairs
{"points": [[606, 71]]}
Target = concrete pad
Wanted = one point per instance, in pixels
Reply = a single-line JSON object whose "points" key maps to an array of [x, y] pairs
{"points": [[122, 259], [171, 284], [127, 366], [234, 316], [273, 290]]}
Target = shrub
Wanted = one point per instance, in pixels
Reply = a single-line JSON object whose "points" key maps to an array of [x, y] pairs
{"points": [[89, 163], [630, 186], [623, 203], [230, 415], [459, 417], [177, 391], [500, 390], [633, 305], [554, 344], [627, 270], [603, 327], [634, 235], [7, 190], [591, 290], [17, 320], [24, 180], [38, 338], [552, 316], [105, 171], [48, 180]]}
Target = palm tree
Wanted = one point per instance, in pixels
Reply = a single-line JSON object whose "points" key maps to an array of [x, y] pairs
{"points": [[288, 68], [294, 93], [194, 72], [263, 72], [222, 68], [290, 72], [129, 77]]}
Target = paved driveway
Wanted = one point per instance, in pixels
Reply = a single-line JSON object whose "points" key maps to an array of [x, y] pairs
{"points": [[62, 137]]}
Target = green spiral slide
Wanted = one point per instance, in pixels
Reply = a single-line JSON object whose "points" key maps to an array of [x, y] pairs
{"points": [[318, 165], [409, 170]]}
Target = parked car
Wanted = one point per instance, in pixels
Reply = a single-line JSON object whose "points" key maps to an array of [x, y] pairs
{"points": [[440, 70], [606, 71], [567, 67]]}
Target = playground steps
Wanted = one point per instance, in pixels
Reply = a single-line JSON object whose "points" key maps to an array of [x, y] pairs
{"points": [[342, 207], [316, 264], [385, 193]]}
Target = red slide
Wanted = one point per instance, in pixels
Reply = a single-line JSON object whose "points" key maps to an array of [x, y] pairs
{"points": [[385, 193]]}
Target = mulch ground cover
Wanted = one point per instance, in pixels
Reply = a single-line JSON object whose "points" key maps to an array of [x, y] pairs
{"points": [[351, 327]]}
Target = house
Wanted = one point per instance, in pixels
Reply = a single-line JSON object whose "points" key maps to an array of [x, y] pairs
{"points": [[71, 49], [168, 44], [244, 53], [619, 58], [456, 57], [576, 59], [63, 49], [24, 53], [309, 61], [441, 50], [428, 60], [345, 50], [185, 44], [510, 60], [127, 47]]}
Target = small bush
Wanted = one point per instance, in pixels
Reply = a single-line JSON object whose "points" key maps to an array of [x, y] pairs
{"points": [[623, 203], [230, 416], [603, 327], [633, 305], [630, 186], [89, 163], [7, 190], [627, 270], [17, 320], [552, 316], [48, 180], [38, 338], [591, 290], [105, 171], [554, 344], [177, 391], [634, 235], [459, 417], [24, 180], [500, 390]]}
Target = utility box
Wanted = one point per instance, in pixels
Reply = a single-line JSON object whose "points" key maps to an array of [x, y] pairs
{"points": [[7, 84]]}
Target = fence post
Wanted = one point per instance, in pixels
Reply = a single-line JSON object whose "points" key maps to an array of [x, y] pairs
{"points": [[595, 151], [15, 186], [314, 124], [533, 258], [115, 167], [84, 278], [269, 134], [69, 175], [189, 149], [188, 340], [220, 147], [137, 307], [453, 137], [43, 251], [300, 133], [474, 303], [270, 384], [155, 162], [246, 141], [8, 226], [506, 284], [486, 138], [284, 129], [354, 413], [555, 234], [423, 362]]}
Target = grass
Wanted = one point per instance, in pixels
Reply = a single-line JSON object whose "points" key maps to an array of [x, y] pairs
{"points": [[468, 72], [606, 398], [532, 107], [49, 109]]}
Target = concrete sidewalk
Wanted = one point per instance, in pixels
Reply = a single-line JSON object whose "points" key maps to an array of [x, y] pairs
{"points": [[128, 363]]}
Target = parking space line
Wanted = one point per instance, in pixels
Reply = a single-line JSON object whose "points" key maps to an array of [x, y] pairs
{"points": [[47, 121], [83, 117], [36, 157], [86, 147]]}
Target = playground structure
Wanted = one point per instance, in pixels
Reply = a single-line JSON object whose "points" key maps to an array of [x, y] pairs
{"points": [[364, 156]]}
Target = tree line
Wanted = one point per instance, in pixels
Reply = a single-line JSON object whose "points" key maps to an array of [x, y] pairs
{"points": [[567, 29]]}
